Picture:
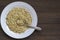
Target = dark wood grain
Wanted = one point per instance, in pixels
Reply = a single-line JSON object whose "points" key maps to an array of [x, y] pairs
{"points": [[48, 12]]}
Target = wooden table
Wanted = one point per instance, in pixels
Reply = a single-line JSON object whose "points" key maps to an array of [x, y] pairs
{"points": [[48, 12]]}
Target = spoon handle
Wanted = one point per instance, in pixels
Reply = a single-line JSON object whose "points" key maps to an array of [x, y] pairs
{"points": [[37, 28]]}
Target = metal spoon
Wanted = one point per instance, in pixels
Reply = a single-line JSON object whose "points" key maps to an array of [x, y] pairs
{"points": [[37, 28]]}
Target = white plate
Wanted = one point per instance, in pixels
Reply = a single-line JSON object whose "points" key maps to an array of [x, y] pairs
{"points": [[4, 13]]}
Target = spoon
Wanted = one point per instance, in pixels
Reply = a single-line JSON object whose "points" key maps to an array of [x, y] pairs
{"points": [[34, 27], [37, 28], [26, 24]]}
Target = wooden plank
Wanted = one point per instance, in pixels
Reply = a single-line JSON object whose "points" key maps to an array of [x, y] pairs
{"points": [[48, 17]]}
